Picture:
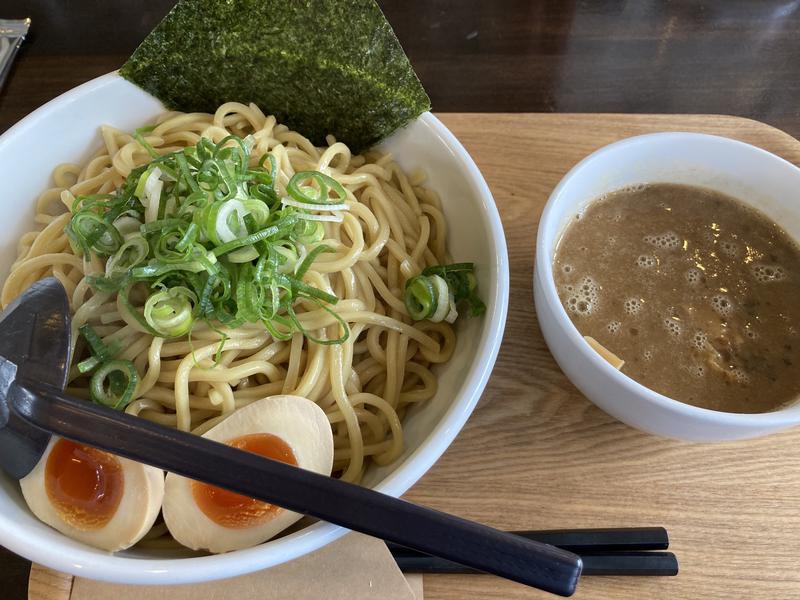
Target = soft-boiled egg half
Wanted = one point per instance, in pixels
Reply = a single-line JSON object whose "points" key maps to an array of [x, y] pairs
{"points": [[290, 429], [92, 496]]}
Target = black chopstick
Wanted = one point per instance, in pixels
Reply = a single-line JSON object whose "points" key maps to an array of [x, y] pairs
{"points": [[663, 564], [353, 507], [580, 541], [618, 551], [658, 564]]}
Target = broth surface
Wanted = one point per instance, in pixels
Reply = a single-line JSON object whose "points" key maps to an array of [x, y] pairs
{"points": [[698, 293]]}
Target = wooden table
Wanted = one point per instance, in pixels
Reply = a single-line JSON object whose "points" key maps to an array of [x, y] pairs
{"points": [[734, 57], [536, 454]]}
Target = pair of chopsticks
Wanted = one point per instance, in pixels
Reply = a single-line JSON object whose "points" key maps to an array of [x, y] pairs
{"points": [[634, 551]]}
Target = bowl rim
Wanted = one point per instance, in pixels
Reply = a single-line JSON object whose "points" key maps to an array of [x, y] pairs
{"points": [[543, 270], [85, 562]]}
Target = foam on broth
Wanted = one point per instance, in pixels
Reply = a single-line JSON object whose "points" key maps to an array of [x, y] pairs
{"points": [[698, 293]]}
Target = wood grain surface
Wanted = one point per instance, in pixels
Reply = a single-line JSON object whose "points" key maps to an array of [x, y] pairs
{"points": [[47, 584], [536, 454]]}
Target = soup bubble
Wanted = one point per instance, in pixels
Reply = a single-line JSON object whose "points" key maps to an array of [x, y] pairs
{"points": [[645, 261], [673, 327], [589, 289], [699, 340], [768, 273], [698, 371], [668, 240], [693, 275], [740, 376], [580, 305], [632, 306], [722, 305], [729, 248]]}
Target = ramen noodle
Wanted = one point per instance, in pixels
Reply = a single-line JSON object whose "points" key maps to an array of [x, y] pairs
{"points": [[393, 228]]}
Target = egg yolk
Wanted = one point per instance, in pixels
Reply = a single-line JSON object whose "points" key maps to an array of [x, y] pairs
{"points": [[85, 485], [235, 511]]}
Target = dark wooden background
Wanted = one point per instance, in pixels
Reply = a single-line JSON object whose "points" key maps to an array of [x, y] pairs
{"points": [[727, 56]]}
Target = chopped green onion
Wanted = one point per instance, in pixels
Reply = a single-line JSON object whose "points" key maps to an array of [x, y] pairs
{"points": [[137, 135], [130, 254], [229, 220], [130, 311], [463, 285], [114, 384], [90, 364], [334, 218], [438, 290], [245, 241], [342, 325], [189, 237], [442, 298], [308, 206], [183, 166], [93, 233], [420, 297], [243, 255], [108, 284], [309, 232], [288, 257], [171, 312], [96, 345], [307, 291], [157, 269], [160, 225], [139, 190], [101, 353], [313, 187], [304, 266], [258, 209], [206, 235], [127, 225]]}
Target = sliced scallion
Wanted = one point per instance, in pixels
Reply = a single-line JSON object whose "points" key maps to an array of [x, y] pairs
{"points": [[202, 234], [114, 384], [171, 312], [436, 293], [131, 253], [420, 298], [313, 187]]}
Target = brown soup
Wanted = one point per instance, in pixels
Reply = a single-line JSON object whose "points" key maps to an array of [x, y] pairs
{"points": [[698, 293]]}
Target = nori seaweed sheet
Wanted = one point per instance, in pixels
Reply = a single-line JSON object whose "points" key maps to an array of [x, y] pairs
{"points": [[320, 66]]}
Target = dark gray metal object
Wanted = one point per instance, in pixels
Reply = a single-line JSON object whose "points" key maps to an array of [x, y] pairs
{"points": [[34, 344]]}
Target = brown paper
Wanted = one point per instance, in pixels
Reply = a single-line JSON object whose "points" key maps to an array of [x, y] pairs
{"points": [[414, 581], [356, 567]]}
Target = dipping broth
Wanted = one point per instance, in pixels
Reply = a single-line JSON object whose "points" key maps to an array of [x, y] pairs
{"points": [[695, 291]]}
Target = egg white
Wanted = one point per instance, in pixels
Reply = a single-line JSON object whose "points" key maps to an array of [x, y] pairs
{"points": [[143, 492], [297, 421]]}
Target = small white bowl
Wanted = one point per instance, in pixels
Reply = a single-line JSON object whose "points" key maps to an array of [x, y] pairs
{"points": [[66, 130], [750, 174]]}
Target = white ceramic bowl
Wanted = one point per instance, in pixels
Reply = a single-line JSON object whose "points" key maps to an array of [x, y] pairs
{"points": [[66, 130], [750, 174]]}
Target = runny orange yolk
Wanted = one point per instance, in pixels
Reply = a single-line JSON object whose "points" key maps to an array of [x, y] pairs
{"points": [[235, 511], [84, 484]]}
